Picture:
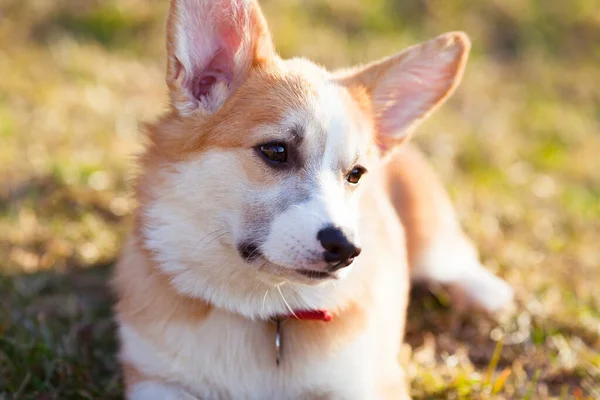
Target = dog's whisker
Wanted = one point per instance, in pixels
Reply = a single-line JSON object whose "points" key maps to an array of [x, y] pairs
{"points": [[252, 253], [259, 285], [263, 264], [264, 300], [206, 236], [284, 300], [212, 240]]}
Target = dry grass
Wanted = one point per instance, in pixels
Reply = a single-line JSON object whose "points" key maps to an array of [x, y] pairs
{"points": [[518, 147]]}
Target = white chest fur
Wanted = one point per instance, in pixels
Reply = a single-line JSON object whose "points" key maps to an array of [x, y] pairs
{"points": [[228, 357]]}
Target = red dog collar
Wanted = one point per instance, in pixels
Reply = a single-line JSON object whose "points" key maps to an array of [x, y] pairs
{"points": [[309, 315]]}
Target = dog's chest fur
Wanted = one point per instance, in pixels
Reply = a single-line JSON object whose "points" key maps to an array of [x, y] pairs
{"points": [[227, 357]]}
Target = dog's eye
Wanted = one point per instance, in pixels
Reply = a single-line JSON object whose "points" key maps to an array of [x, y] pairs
{"points": [[274, 152], [354, 176]]}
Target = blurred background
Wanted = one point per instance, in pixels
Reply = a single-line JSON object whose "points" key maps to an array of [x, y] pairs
{"points": [[518, 147]]}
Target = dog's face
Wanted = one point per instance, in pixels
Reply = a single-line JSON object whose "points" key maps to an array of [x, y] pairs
{"points": [[256, 173], [300, 172]]}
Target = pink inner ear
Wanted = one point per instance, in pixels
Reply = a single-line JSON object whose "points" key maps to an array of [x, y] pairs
{"points": [[219, 69], [201, 85]]}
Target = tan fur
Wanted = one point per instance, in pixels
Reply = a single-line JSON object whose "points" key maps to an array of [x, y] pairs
{"points": [[418, 197], [135, 278]]}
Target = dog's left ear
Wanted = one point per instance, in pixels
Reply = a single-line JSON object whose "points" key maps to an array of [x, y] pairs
{"points": [[406, 88]]}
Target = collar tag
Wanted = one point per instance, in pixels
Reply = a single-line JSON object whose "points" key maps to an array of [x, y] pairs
{"points": [[302, 315], [278, 341]]}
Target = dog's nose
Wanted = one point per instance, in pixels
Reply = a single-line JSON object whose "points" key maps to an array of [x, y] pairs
{"points": [[339, 251]]}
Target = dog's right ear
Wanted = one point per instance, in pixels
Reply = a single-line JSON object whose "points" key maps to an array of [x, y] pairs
{"points": [[211, 47]]}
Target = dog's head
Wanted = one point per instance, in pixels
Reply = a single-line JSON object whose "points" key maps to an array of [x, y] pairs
{"points": [[254, 176]]}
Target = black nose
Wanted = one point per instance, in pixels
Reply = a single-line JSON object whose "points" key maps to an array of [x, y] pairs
{"points": [[340, 252]]}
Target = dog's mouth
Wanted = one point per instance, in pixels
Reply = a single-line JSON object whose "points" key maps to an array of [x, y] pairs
{"points": [[312, 274], [251, 253]]}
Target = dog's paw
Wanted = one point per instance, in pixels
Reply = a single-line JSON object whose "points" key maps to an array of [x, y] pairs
{"points": [[482, 289], [454, 265]]}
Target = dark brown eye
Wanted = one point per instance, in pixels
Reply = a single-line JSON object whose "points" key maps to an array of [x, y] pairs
{"points": [[354, 176], [274, 152]]}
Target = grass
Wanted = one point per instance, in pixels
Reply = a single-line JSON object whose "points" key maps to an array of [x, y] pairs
{"points": [[517, 147]]}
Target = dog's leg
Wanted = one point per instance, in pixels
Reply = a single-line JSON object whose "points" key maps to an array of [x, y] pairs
{"points": [[438, 249]]}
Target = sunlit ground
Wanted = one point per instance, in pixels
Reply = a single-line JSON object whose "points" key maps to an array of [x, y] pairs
{"points": [[518, 146]]}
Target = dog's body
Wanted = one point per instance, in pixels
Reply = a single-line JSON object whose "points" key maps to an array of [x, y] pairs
{"points": [[250, 209]]}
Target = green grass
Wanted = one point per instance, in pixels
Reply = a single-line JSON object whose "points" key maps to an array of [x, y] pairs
{"points": [[58, 338], [517, 147]]}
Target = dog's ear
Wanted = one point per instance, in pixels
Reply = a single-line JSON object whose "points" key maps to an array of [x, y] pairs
{"points": [[211, 47], [406, 88]]}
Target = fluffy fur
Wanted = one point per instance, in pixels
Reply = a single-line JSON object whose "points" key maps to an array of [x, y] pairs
{"points": [[222, 235]]}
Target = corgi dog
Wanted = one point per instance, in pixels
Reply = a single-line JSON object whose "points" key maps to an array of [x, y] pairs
{"points": [[280, 219]]}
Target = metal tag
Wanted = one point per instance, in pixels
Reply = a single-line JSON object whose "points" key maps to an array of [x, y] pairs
{"points": [[278, 341]]}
